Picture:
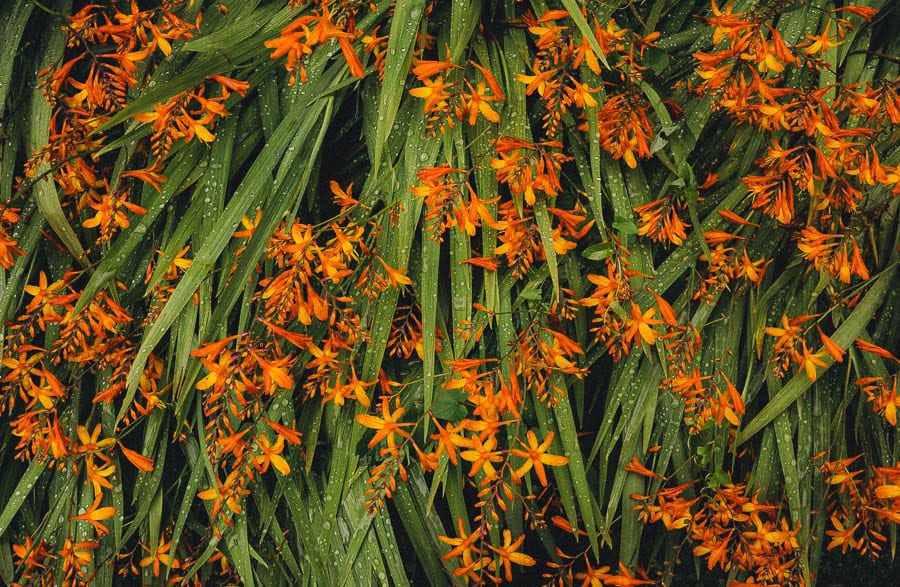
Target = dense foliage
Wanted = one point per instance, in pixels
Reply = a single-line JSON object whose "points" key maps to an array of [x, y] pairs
{"points": [[341, 292]]}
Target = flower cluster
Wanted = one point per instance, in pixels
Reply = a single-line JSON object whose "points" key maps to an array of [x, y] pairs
{"points": [[463, 288]]}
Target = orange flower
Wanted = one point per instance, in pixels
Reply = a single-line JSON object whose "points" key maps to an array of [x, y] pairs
{"points": [[820, 43], [634, 466], [536, 457], [881, 392], [141, 462], [425, 68], [659, 220], [31, 555], [736, 219], [444, 190], [809, 361], [887, 491], [486, 263], [476, 102], [482, 455], [387, 427], [528, 168], [270, 454], [8, 250], [159, 556], [150, 175], [110, 216], [233, 85], [625, 130], [508, 555], [665, 309], [94, 515], [868, 347], [864, 12], [228, 493], [831, 347], [300, 37], [711, 180], [434, 92], [641, 324], [727, 405], [464, 546], [592, 577], [289, 435], [448, 440], [395, 277], [841, 536]]}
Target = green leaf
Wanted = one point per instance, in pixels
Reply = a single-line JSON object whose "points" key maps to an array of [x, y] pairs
{"points": [[546, 231], [44, 189], [625, 226], [14, 16], [402, 37], [449, 405], [598, 252], [21, 493]]}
